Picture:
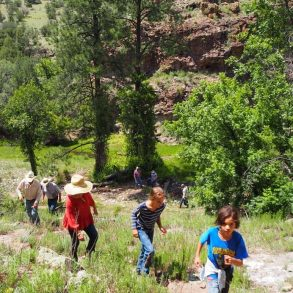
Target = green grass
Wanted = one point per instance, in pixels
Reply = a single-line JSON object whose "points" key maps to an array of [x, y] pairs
{"points": [[117, 251], [81, 159]]}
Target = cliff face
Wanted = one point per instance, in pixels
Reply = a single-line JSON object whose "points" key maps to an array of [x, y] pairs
{"points": [[204, 39]]}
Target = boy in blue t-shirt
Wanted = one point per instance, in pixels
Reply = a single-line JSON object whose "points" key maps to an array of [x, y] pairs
{"points": [[226, 248]]}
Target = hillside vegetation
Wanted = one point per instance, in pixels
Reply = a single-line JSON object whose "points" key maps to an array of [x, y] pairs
{"points": [[200, 91]]}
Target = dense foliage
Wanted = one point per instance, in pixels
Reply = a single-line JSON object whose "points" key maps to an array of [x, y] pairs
{"points": [[26, 115], [238, 131], [137, 116]]}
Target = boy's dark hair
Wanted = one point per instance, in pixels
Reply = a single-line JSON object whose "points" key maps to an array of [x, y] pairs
{"points": [[227, 212], [153, 192]]}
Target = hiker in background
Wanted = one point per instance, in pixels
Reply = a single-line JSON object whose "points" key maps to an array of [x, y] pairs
{"points": [[53, 193], [137, 177], [154, 178], [143, 220], [78, 216], [29, 191], [226, 248], [184, 199]]}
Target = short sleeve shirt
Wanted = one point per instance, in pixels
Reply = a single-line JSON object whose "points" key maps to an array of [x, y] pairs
{"points": [[217, 248]]}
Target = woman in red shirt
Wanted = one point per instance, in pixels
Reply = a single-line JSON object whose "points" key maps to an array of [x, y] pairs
{"points": [[78, 214]]}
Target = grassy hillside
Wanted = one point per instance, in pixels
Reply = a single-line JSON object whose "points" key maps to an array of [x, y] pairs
{"points": [[52, 160], [114, 261], [115, 257]]}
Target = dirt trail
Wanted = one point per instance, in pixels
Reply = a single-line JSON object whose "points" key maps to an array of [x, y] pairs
{"points": [[187, 287]]}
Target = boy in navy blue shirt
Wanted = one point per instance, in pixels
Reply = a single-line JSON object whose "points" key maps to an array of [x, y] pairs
{"points": [[144, 218]]}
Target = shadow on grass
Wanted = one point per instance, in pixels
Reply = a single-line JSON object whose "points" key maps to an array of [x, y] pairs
{"points": [[175, 271]]}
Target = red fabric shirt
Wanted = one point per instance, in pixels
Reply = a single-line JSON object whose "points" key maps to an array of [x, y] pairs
{"points": [[78, 213]]}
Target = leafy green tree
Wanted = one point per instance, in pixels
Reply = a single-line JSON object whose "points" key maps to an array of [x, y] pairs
{"points": [[86, 35], [238, 131], [274, 20], [26, 116], [137, 116], [18, 41], [236, 140], [2, 17]]}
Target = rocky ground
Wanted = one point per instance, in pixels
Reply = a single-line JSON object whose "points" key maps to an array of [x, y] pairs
{"points": [[263, 268]]}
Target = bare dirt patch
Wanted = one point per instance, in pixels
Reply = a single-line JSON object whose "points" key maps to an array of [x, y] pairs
{"points": [[271, 270], [187, 287], [16, 239]]}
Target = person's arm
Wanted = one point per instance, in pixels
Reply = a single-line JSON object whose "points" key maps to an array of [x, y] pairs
{"points": [[241, 253], [43, 191], [39, 196], [162, 229], [133, 221], [91, 203], [18, 191], [95, 209], [59, 192], [197, 262], [71, 216]]}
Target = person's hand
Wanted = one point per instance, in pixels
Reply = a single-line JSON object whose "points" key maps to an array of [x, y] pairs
{"points": [[35, 206], [95, 212], [20, 197], [163, 230], [228, 260], [197, 262], [135, 233], [80, 236]]}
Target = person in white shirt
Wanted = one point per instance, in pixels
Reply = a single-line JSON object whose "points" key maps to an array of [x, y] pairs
{"points": [[29, 191], [184, 199]]}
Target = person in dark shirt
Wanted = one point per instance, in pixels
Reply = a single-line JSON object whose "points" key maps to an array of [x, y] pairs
{"points": [[144, 218]]}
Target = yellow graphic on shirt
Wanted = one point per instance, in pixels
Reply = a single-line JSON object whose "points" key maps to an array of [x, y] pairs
{"points": [[223, 251]]}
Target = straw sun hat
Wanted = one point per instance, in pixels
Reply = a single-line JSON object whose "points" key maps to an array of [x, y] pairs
{"points": [[46, 180], [78, 185], [30, 176]]}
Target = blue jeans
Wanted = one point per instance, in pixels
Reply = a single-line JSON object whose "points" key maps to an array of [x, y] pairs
{"points": [[52, 204], [32, 212], [91, 232], [147, 251], [213, 284]]}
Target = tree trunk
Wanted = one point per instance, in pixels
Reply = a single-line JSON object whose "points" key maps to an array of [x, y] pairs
{"points": [[32, 159], [138, 46], [99, 106]]}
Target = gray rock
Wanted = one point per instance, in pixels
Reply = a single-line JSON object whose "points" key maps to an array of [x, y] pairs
{"points": [[51, 258], [80, 277], [287, 287]]}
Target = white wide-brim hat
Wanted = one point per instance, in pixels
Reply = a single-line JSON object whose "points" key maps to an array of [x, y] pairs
{"points": [[30, 176], [78, 185]]}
